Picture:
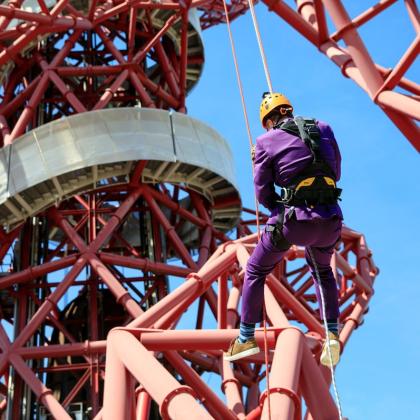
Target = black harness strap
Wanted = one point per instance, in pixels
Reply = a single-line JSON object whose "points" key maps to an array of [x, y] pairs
{"points": [[315, 189], [276, 232]]}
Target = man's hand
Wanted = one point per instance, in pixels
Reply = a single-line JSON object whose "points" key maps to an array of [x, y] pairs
{"points": [[253, 152]]}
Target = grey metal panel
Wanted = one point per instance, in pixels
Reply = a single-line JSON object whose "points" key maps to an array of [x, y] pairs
{"points": [[198, 144], [4, 158], [81, 152], [87, 139]]}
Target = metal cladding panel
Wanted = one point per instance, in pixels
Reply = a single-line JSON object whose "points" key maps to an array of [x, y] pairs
{"points": [[4, 158], [65, 150], [201, 145], [87, 139]]}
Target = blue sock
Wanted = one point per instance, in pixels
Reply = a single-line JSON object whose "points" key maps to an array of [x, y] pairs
{"points": [[246, 331], [333, 325]]}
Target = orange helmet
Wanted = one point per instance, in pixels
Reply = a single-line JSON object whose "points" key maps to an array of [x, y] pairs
{"points": [[270, 102]]}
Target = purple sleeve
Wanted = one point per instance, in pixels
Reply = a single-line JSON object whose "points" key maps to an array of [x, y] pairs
{"points": [[263, 178]]}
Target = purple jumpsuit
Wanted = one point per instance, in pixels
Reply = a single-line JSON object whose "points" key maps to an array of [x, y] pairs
{"points": [[279, 157]]}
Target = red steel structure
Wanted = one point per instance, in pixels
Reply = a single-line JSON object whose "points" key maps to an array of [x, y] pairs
{"points": [[91, 251]]}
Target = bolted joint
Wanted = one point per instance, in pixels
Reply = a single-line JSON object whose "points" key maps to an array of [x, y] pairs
{"points": [[226, 381], [301, 4], [164, 412], [225, 245], [195, 276], [356, 322], [44, 393], [121, 300], [288, 392]]}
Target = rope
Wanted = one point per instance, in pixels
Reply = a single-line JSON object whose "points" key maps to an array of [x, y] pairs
{"points": [[270, 86], [241, 92], [324, 316], [238, 78], [260, 45], [267, 75]]}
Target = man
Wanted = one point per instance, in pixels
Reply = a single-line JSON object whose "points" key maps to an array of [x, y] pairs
{"points": [[302, 158]]}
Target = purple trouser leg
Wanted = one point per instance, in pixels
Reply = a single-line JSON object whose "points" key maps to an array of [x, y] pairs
{"points": [[321, 235]]}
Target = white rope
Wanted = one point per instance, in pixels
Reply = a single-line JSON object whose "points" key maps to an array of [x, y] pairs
{"points": [[324, 316], [260, 45], [270, 87]]}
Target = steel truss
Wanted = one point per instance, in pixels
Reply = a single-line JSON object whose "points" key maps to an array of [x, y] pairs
{"points": [[116, 57], [81, 243], [71, 57], [396, 95]]}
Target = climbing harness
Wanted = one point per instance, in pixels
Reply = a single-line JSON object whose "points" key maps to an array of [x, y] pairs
{"points": [[309, 188], [307, 132]]}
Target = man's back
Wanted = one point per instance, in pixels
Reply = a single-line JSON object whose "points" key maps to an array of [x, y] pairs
{"points": [[281, 156]]}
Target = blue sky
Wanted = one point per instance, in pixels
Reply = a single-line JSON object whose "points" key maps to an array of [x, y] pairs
{"points": [[379, 376]]}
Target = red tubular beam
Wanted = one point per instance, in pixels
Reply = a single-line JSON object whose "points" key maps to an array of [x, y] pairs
{"points": [[75, 390], [204, 249], [222, 302], [284, 377], [66, 92], [40, 390], [252, 399], [211, 364], [364, 72], [116, 219], [211, 401], [191, 290], [283, 295], [144, 264], [115, 390], [32, 273], [12, 106], [231, 387], [400, 103], [19, 44], [355, 46], [156, 89], [168, 71], [184, 59], [175, 401], [349, 272], [167, 202], [144, 96], [196, 339], [232, 307], [28, 112], [321, 22], [187, 290], [413, 13], [89, 70], [353, 320], [368, 15], [315, 389], [169, 230], [274, 311], [122, 296], [42, 312], [62, 350], [5, 129], [293, 19], [143, 405], [109, 92]]}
